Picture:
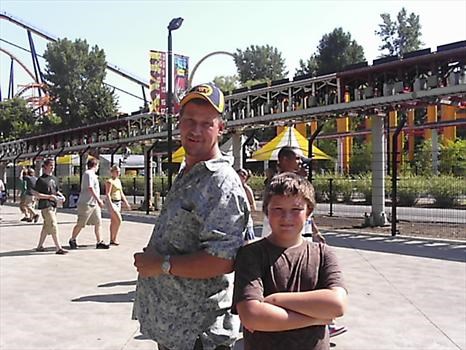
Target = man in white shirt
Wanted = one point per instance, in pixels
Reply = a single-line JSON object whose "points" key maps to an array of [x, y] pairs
{"points": [[89, 205]]}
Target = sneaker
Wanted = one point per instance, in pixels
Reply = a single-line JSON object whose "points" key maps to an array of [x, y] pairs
{"points": [[334, 330], [73, 244], [24, 219], [102, 245], [40, 249], [61, 251], [29, 220], [35, 218]]}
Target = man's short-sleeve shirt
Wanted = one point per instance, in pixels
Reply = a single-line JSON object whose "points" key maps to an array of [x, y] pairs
{"points": [[90, 179], [262, 268], [205, 210], [47, 184]]}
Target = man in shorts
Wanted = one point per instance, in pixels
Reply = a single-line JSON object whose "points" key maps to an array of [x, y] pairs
{"points": [[29, 201], [89, 205], [47, 191]]}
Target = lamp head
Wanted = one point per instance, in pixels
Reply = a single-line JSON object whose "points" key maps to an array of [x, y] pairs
{"points": [[175, 23]]}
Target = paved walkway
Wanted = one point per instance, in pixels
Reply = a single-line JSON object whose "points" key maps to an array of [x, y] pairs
{"points": [[404, 293]]}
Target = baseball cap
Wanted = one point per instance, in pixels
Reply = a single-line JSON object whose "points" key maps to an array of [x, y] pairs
{"points": [[208, 92]]}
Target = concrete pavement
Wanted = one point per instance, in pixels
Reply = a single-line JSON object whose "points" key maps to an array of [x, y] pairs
{"points": [[404, 293]]}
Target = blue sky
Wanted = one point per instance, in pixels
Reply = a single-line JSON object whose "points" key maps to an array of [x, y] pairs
{"points": [[127, 30]]}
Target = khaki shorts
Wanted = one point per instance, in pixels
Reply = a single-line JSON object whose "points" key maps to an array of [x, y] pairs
{"points": [[88, 215], [29, 201], [50, 220]]}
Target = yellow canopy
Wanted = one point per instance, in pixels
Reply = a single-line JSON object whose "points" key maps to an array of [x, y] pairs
{"points": [[178, 155], [26, 162], [288, 137]]}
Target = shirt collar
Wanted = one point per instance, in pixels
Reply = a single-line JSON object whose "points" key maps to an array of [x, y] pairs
{"points": [[211, 164]]}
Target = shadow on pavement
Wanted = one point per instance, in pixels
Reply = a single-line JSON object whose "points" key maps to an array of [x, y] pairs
{"points": [[114, 284], [434, 249], [28, 252], [16, 223], [108, 298], [141, 337]]}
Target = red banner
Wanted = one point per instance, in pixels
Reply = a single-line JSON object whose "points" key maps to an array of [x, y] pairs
{"points": [[181, 80]]}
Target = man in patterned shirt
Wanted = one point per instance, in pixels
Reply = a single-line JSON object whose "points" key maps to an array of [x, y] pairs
{"points": [[184, 289]]}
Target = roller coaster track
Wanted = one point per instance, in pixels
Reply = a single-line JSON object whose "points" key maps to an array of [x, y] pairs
{"points": [[111, 67], [144, 127]]}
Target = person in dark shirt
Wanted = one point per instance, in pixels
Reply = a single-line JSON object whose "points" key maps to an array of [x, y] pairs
{"points": [[287, 289], [29, 201], [49, 195]]}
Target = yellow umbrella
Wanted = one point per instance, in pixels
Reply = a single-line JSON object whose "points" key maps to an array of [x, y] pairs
{"points": [[178, 155], [288, 137], [26, 162], [65, 160]]}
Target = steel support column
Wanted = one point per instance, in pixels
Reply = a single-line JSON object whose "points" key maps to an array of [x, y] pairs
{"points": [[378, 216], [395, 161], [309, 148], [149, 188]]}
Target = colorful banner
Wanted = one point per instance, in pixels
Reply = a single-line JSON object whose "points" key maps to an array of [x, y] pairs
{"points": [[158, 86], [180, 85]]}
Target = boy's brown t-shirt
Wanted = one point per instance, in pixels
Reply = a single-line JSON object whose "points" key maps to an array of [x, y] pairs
{"points": [[262, 268]]}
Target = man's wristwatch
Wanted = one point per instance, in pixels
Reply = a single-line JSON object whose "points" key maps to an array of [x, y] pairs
{"points": [[166, 266]]}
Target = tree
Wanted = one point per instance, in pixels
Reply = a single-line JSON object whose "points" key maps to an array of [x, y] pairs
{"points": [[76, 76], [16, 119], [335, 51], [226, 83], [453, 157], [309, 66], [361, 157], [399, 36], [260, 63]]}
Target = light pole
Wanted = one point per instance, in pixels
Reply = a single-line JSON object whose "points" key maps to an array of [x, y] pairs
{"points": [[174, 24]]}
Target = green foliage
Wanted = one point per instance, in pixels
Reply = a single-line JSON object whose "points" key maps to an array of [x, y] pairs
{"points": [[335, 51], [409, 189], [446, 189], [401, 35], [309, 66], [256, 183], [453, 157], [361, 159], [16, 119], [260, 62], [76, 76], [227, 83], [343, 188], [423, 159], [363, 184]]}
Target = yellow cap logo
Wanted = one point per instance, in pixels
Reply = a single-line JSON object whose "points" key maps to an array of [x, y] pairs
{"points": [[205, 89]]}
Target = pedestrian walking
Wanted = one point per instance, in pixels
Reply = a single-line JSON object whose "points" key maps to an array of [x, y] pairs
{"points": [[184, 289], [22, 195], [29, 201], [47, 191], [3, 193], [114, 196], [89, 205], [244, 175]]}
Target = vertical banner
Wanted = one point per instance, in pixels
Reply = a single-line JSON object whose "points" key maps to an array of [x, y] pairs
{"points": [[157, 83], [181, 80]]}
